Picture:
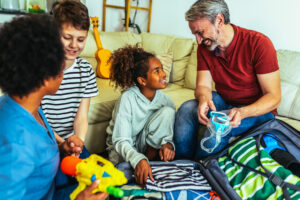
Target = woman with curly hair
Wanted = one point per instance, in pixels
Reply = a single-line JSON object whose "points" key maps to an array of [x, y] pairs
{"points": [[141, 128], [31, 66]]}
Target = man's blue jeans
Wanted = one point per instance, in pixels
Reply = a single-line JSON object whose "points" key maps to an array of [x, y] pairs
{"points": [[187, 125]]}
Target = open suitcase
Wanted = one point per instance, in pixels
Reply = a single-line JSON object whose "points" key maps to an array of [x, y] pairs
{"points": [[268, 178]]}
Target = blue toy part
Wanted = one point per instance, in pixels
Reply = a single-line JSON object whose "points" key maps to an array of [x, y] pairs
{"points": [[105, 174], [271, 143], [93, 178]]}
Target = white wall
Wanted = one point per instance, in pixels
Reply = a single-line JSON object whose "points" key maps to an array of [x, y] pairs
{"points": [[278, 19]]}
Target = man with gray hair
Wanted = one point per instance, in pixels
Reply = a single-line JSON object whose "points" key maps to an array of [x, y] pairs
{"points": [[244, 67]]}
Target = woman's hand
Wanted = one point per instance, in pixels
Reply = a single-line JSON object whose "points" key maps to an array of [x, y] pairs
{"points": [[87, 194]]}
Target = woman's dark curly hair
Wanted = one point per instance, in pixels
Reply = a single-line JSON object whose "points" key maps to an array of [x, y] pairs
{"points": [[30, 52], [72, 12], [128, 64]]}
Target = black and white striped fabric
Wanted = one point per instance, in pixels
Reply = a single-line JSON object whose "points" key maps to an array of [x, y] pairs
{"points": [[170, 176], [60, 109]]}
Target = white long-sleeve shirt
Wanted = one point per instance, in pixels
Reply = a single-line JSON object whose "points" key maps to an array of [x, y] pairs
{"points": [[129, 117]]}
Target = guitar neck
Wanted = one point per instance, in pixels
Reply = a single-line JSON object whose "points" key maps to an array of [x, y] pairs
{"points": [[97, 38]]}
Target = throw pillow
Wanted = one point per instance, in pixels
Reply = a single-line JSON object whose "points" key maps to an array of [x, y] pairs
{"points": [[167, 62]]}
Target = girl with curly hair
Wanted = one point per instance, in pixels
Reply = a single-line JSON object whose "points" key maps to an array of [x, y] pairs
{"points": [[141, 128]]}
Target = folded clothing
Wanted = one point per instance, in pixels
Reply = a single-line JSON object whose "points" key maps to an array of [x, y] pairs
{"points": [[176, 175]]}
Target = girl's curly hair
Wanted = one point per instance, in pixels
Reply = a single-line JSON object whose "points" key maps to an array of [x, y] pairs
{"points": [[128, 64]]}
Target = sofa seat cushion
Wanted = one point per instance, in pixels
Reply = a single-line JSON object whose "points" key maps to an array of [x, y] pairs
{"points": [[180, 95]]}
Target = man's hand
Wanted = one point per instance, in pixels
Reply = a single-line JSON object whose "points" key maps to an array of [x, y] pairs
{"points": [[166, 152], [142, 171], [87, 194], [235, 117], [204, 106], [73, 145]]}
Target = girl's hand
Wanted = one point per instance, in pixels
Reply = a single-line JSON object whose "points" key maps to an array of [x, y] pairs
{"points": [[142, 171], [166, 152]]}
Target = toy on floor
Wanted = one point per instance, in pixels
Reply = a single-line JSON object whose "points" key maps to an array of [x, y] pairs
{"points": [[218, 126], [92, 168]]}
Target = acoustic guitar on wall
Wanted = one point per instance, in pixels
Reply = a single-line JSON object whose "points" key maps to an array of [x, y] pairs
{"points": [[102, 55]]}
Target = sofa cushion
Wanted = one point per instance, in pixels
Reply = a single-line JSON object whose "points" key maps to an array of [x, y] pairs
{"points": [[166, 60], [191, 71], [289, 67], [180, 47], [150, 42]]}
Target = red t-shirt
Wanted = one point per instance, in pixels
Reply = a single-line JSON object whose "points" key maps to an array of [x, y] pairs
{"points": [[250, 53]]}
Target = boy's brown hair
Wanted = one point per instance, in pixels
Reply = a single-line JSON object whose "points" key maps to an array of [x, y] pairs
{"points": [[72, 12]]}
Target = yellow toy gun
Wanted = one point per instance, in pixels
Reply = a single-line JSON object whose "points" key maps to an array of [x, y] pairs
{"points": [[92, 168]]}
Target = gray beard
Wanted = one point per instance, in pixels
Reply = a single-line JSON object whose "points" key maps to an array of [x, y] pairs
{"points": [[214, 43], [213, 46]]}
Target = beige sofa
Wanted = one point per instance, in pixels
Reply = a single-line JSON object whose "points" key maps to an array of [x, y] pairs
{"points": [[182, 79]]}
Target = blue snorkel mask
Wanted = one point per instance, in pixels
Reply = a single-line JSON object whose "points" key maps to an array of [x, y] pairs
{"points": [[218, 126], [219, 123]]}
